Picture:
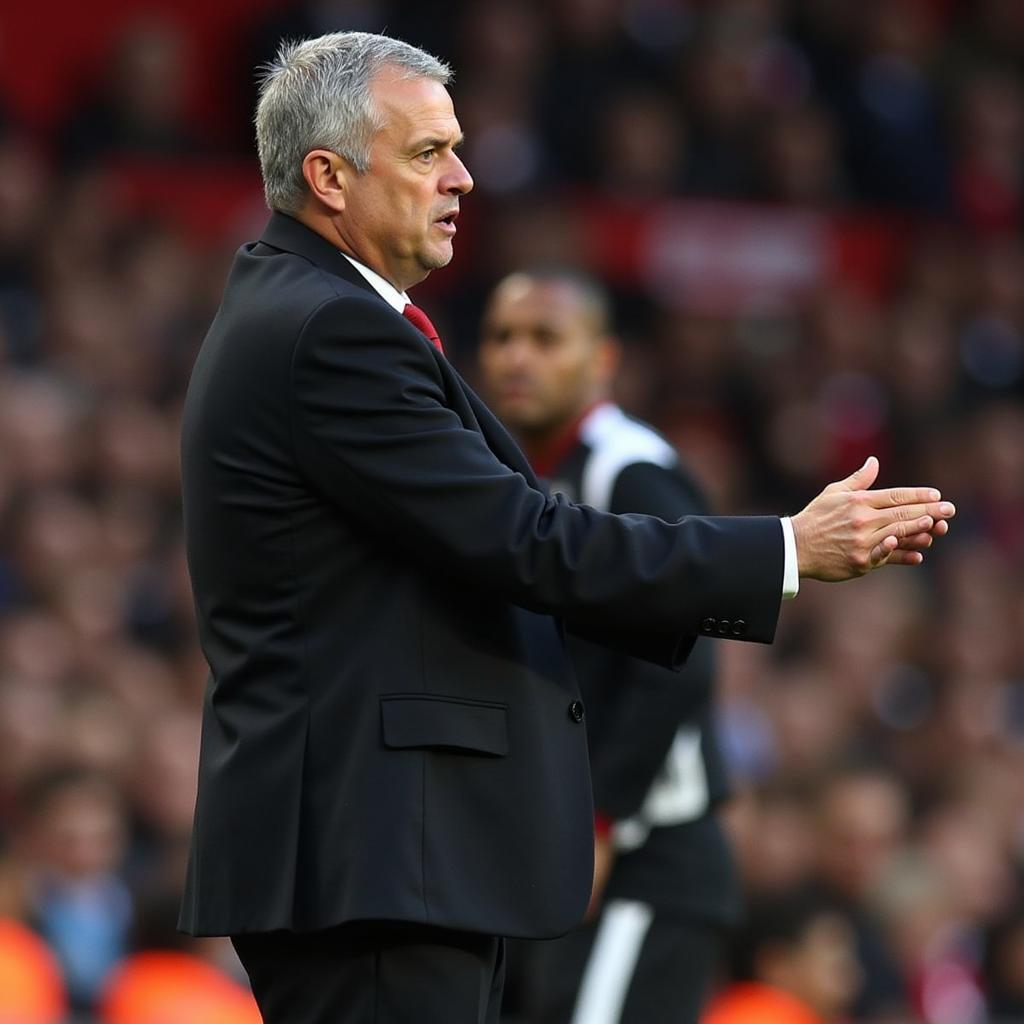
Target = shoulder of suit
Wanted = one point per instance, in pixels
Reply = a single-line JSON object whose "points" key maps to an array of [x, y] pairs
{"points": [[616, 441], [302, 286]]}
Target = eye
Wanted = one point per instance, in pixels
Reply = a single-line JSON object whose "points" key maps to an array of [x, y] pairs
{"points": [[426, 156]]}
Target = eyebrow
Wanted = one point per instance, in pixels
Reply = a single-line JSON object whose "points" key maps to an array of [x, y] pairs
{"points": [[438, 142]]}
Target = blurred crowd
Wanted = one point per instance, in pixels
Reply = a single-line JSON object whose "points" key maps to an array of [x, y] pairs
{"points": [[877, 749]]}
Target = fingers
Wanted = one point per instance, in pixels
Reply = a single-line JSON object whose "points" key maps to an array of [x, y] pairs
{"points": [[882, 551], [922, 541], [901, 496], [908, 550], [872, 528], [905, 520], [936, 509], [900, 530], [859, 479], [891, 552], [918, 541], [901, 557], [904, 543]]}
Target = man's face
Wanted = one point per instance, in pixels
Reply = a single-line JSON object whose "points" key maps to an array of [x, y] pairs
{"points": [[399, 215], [863, 823], [821, 969], [80, 834], [542, 357]]}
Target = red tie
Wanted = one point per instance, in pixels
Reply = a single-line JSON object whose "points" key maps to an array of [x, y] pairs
{"points": [[422, 323]]}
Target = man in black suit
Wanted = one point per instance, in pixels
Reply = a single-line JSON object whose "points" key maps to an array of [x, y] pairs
{"points": [[665, 887], [394, 771]]}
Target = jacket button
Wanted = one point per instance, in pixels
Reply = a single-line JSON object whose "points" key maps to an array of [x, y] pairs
{"points": [[708, 625], [576, 711], [739, 627], [724, 627]]}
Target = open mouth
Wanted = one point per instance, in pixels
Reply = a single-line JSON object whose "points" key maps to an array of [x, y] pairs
{"points": [[449, 219]]}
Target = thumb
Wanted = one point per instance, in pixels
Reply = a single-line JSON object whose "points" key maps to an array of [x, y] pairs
{"points": [[861, 479]]}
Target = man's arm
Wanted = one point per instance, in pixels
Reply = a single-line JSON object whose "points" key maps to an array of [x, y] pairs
{"points": [[373, 431]]}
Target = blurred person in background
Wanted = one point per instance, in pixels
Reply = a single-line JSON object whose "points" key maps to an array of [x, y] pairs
{"points": [[989, 171], [897, 144], [163, 794], [720, 86], [793, 962], [916, 904], [31, 713], [939, 929], [139, 108], [664, 884], [596, 62], [41, 427], [772, 829], [71, 845], [800, 159], [644, 144], [862, 823], [506, 45]]}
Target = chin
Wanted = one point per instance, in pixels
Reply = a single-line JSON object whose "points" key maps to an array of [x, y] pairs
{"points": [[439, 258], [519, 416]]}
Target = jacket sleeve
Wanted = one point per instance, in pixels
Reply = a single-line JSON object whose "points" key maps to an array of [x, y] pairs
{"points": [[638, 706], [373, 431]]}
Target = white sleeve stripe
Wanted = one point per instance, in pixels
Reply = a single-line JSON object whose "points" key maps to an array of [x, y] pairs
{"points": [[613, 958]]}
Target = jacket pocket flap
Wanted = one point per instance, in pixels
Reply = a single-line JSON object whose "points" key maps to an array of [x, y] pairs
{"points": [[426, 720]]}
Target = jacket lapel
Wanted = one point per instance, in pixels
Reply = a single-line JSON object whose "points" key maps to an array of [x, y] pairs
{"points": [[286, 233]]}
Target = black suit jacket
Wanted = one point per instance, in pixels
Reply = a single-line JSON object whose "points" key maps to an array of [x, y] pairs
{"points": [[391, 730]]}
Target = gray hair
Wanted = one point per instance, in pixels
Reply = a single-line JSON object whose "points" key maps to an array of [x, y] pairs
{"points": [[315, 94]]}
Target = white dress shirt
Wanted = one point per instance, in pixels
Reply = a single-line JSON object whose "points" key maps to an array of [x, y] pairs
{"points": [[385, 289]]}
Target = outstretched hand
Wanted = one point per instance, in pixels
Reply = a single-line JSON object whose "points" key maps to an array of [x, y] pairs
{"points": [[848, 530]]}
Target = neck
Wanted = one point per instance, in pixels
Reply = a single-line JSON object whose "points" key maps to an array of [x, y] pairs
{"points": [[333, 231], [536, 442], [546, 447], [349, 251]]}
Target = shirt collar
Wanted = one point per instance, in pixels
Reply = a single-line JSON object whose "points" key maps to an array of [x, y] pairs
{"points": [[387, 291]]}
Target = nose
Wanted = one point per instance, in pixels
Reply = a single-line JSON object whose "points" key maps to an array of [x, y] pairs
{"points": [[517, 350], [458, 181]]}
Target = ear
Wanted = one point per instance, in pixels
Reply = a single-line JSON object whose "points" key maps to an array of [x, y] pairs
{"points": [[326, 176]]}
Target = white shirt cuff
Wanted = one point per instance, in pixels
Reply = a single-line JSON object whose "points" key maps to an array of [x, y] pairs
{"points": [[791, 571]]}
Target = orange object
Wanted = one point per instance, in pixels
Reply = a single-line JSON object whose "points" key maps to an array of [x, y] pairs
{"points": [[174, 988], [754, 1003], [31, 986]]}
